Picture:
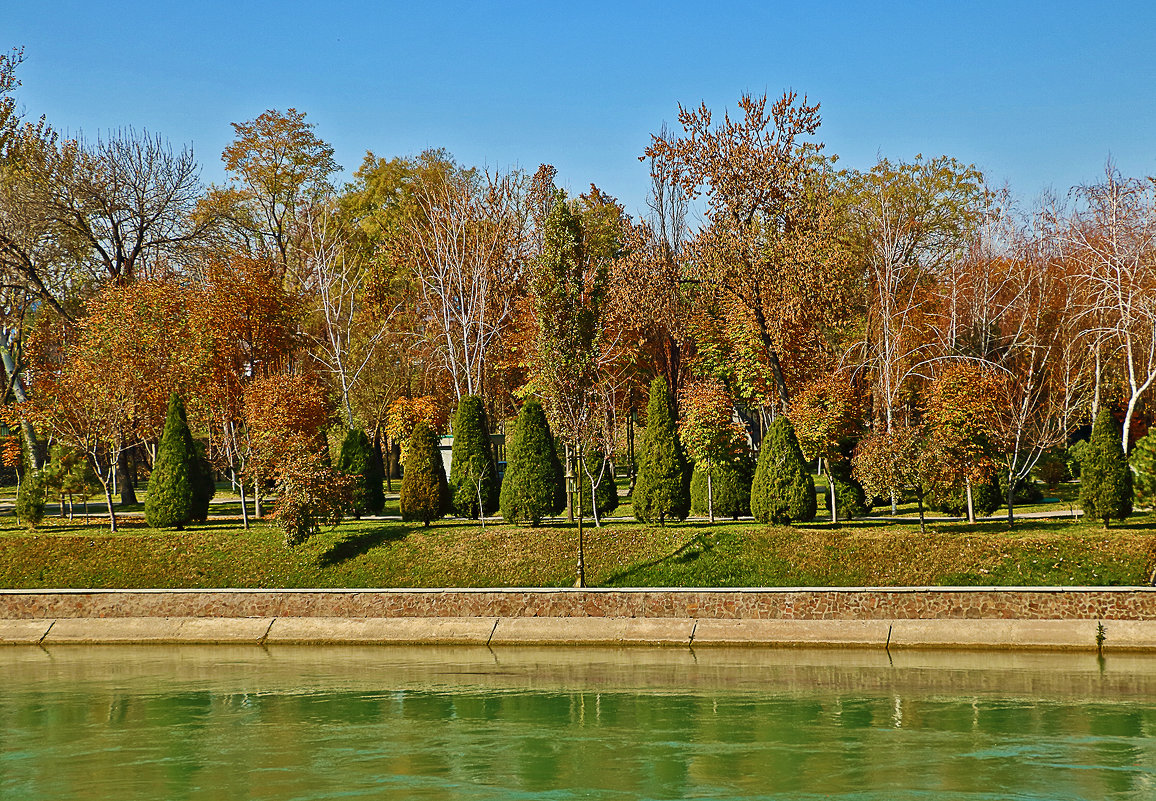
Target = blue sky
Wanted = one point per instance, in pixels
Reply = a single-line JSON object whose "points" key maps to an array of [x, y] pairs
{"points": [[1035, 94]]}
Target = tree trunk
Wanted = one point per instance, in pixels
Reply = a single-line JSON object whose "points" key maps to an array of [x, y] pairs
{"points": [[244, 511], [919, 500], [710, 496], [257, 497], [831, 485], [124, 478], [1011, 499], [970, 503], [111, 508], [31, 445], [581, 579]]}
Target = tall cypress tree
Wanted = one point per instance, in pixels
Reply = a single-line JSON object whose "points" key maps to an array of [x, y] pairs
{"points": [[356, 460], [783, 490], [472, 461], [532, 485], [171, 500], [425, 495], [662, 490], [1105, 479]]}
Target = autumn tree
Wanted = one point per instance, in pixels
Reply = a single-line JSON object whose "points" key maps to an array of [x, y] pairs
{"points": [[827, 416], [709, 433], [886, 463]]}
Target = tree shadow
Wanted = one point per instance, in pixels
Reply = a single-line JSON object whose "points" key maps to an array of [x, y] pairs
{"points": [[688, 552], [359, 543]]}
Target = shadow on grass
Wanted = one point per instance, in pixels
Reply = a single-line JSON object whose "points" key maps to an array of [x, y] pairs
{"points": [[689, 551], [360, 542]]}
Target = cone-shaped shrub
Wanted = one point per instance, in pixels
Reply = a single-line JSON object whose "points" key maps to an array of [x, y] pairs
{"points": [[783, 490], [598, 469], [532, 485], [662, 490], [171, 498], [1143, 461], [850, 498], [30, 498], [425, 494], [472, 461], [1105, 479], [203, 485], [357, 462], [730, 486]]}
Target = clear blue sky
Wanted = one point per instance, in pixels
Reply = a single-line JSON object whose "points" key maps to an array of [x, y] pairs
{"points": [[1035, 94]]}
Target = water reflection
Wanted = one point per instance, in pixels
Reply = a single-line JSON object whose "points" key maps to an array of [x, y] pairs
{"points": [[319, 723]]}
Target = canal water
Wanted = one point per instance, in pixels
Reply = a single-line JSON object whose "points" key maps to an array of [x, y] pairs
{"points": [[225, 723]]}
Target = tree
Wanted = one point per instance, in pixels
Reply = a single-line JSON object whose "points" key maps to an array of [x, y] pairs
{"points": [[783, 490], [826, 415], [1143, 463], [1105, 479], [708, 431], [425, 495], [310, 496], [603, 489], [729, 490], [204, 485], [171, 499], [532, 486], [357, 462], [663, 487], [473, 478], [888, 462]]}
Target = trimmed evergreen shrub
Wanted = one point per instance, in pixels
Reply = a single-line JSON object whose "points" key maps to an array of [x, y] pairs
{"points": [[532, 486], [662, 489], [1143, 462], [171, 498], [30, 498], [850, 499], [472, 461], [1052, 469], [951, 499], [203, 485], [731, 485], [1105, 479], [607, 490], [425, 494], [357, 462], [783, 490]]}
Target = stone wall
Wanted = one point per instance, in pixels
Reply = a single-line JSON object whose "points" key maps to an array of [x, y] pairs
{"points": [[908, 603]]}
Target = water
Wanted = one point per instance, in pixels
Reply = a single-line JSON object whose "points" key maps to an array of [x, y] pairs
{"points": [[465, 723]]}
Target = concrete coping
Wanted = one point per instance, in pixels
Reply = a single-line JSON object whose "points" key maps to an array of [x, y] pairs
{"points": [[574, 590]]}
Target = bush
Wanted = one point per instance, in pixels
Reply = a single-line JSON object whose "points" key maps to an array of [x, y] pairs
{"points": [[731, 485], [1074, 454], [783, 490], [951, 499], [532, 486], [1143, 461], [425, 494], [850, 499], [662, 489], [1105, 479], [171, 499], [310, 495], [606, 492], [472, 461], [357, 461], [1027, 491], [1052, 469], [30, 498], [204, 487]]}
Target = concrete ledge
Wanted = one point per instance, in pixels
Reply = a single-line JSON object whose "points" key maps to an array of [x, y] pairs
{"points": [[23, 632], [821, 633], [391, 630], [115, 630], [224, 629], [592, 631], [1016, 634]]}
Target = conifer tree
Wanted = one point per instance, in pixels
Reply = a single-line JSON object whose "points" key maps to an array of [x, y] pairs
{"points": [[472, 468], [425, 494], [171, 499], [662, 490], [532, 485], [1105, 479], [31, 495], [783, 490], [1143, 462], [730, 487], [357, 462]]}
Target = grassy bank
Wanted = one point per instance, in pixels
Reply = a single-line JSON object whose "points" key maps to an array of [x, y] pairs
{"points": [[622, 553]]}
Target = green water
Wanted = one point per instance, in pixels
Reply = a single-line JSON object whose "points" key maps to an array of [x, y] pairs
{"points": [[436, 723]]}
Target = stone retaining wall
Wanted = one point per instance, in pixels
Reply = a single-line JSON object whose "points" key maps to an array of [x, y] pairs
{"points": [[861, 604]]}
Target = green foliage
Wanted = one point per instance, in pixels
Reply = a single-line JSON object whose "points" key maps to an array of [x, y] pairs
{"points": [[171, 500], [1105, 480], [1027, 491], [1143, 462], [357, 461], [1075, 453], [730, 487], [663, 487], [311, 495], [532, 485], [472, 461], [425, 494], [1052, 469], [30, 498], [203, 485], [850, 498], [69, 474], [598, 469], [783, 490], [951, 498]]}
